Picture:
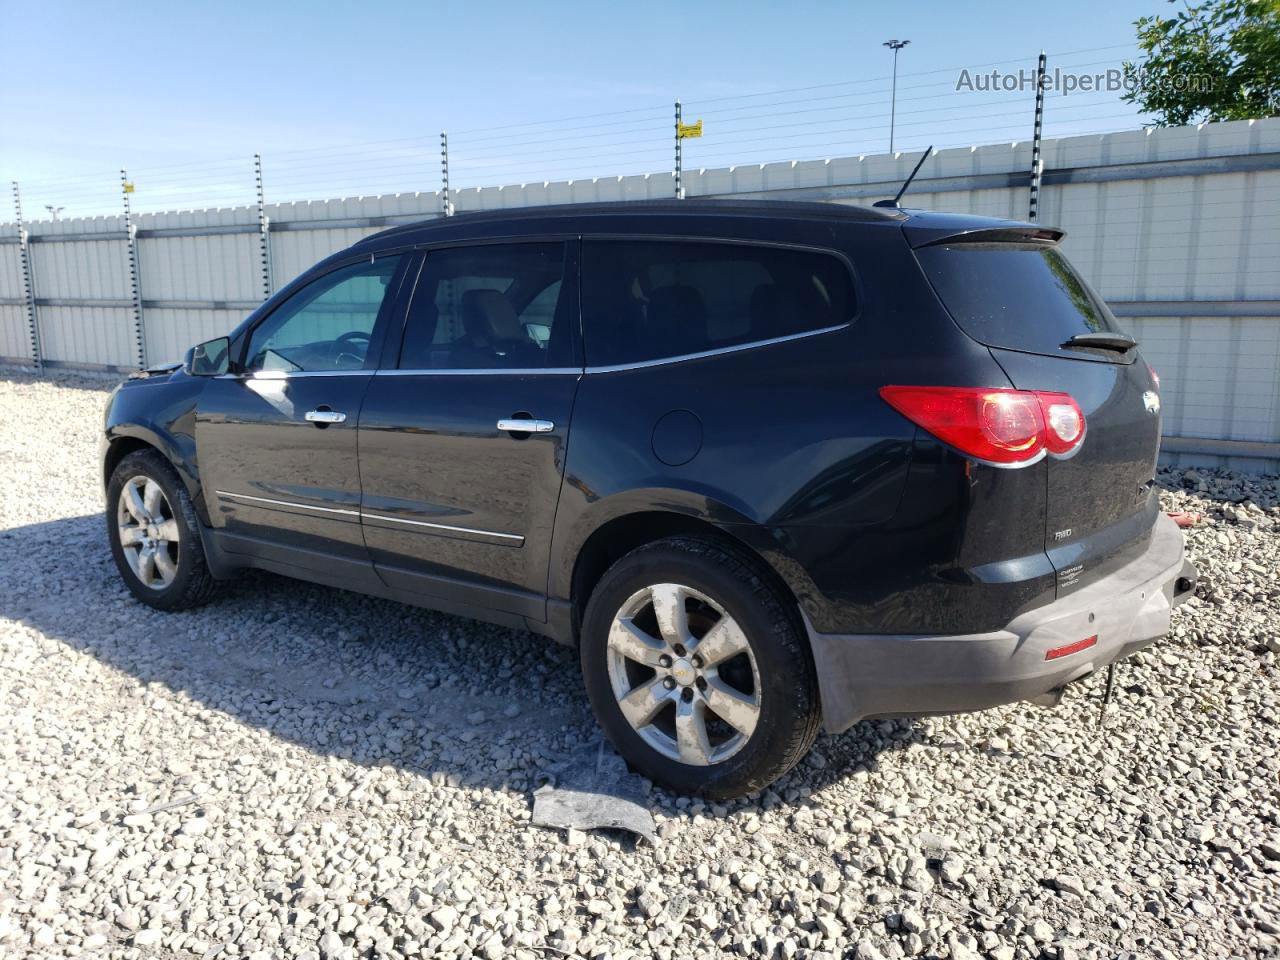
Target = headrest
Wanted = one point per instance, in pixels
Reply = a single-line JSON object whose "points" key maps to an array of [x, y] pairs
{"points": [[488, 314]]}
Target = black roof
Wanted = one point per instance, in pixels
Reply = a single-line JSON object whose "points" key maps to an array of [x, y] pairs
{"points": [[698, 206]]}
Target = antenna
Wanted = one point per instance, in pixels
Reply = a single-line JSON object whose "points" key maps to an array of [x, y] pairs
{"points": [[919, 164]]}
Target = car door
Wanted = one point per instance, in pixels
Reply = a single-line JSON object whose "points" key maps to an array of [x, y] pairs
{"points": [[276, 439], [463, 431]]}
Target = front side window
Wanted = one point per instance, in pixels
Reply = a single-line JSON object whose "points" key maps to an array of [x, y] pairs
{"points": [[490, 307], [652, 299], [328, 324]]}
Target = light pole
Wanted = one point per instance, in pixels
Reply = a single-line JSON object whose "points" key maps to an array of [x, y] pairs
{"points": [[895, 46]]}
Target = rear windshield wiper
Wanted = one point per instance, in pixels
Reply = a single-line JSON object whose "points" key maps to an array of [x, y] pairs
{"points": [[1120, 342]]}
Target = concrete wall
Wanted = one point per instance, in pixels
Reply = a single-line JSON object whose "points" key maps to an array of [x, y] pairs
{"points": [[1178, 228]]}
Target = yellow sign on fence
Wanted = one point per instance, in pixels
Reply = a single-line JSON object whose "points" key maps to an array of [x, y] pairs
{"points": [[128, 187], [688, 131]]}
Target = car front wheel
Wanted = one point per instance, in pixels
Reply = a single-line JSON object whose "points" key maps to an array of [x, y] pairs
{"points": [[697, 668], [154, 534]]}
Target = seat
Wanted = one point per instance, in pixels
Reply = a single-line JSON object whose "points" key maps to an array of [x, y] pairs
{"points": [[493, 335]]}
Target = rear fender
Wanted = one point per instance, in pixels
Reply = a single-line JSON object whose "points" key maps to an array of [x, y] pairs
{"points": [[576, 525]]}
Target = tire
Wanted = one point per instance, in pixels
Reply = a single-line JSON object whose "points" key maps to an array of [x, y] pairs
{"points": [[622, 649], [177, 576]]}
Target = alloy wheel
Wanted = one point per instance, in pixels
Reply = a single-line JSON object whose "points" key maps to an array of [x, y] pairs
{"points": [[684, 674], [148, 532]]}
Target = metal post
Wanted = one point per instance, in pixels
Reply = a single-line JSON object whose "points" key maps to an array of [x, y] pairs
{"points": [[1037, 166], [1106, 695], [264, 228], [679, 163], [895, 46], [131, 234], [28, 288], [444, 173]]}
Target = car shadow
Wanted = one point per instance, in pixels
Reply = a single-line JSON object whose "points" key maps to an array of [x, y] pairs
{"points": [[359, 678]]}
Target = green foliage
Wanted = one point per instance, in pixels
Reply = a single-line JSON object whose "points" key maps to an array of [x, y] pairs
{"points": [[1219, 60]]}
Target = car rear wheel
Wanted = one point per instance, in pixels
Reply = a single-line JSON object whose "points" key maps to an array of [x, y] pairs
{"points": [[154, 533], [698, 670]]}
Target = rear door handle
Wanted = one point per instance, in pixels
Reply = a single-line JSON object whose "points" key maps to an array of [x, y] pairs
{"points": [[326, 416], [526, 426]]}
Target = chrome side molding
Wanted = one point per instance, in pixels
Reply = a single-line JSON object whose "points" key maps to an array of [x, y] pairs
{"points": [[516, 538]]}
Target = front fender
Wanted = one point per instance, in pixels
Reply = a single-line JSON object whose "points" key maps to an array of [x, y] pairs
{"points": [[158, 413]]}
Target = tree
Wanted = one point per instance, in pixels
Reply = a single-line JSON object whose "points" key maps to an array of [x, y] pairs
{"points": [[1219, 60]]}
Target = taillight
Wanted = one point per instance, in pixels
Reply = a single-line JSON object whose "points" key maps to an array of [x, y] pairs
{"points": [[1002, 427], [1064, 423], [1155, 377]]}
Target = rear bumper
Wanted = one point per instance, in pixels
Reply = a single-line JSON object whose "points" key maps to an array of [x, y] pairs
{"points": [[896, 675]]}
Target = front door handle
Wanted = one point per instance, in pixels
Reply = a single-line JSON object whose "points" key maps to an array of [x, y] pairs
{"points": [[325, 415], [522, 425]]}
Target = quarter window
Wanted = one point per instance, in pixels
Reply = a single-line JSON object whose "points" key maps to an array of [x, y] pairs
{"points": [[328, 324], [649, 299], [490, 307], [1015, 296]]}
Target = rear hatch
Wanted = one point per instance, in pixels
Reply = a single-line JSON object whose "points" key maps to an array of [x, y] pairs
{"points": [[1012, 289]]}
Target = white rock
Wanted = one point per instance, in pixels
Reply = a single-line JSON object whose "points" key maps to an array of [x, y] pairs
{"points": [[1041, 932], [911, 920], [1066, 884], [195, 827], [149, 937], [444, 918]]}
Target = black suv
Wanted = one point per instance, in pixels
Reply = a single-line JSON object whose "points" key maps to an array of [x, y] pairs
{"points": [[767, 465]]}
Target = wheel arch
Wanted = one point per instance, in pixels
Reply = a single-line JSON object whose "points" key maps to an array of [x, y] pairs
{"points": [[619, 534], [124, 439]]}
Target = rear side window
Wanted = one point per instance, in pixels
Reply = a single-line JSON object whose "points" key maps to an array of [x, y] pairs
{"points": [[1016, 296], [490, 307], [654, 299]]}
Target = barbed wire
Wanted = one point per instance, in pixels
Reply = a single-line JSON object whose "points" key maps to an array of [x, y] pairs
{"points": [[766, 126]]}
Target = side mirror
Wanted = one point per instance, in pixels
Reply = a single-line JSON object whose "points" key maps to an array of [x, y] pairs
{"points": [[208, 359]]}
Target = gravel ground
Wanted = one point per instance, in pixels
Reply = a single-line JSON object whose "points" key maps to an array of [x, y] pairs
{"points": [[298, 772]]}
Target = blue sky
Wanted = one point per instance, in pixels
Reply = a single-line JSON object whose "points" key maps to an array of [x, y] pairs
{"points": [[349, 98]]}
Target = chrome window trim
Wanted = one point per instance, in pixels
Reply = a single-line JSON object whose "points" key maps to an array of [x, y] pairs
{"points": [[483, 372], [286, 503], [363, 514], [292, 374], [442, 526], [736, 348], [616, 367]]}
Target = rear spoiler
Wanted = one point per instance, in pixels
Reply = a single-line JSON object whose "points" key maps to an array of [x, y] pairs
{"points": [[926, 236]]}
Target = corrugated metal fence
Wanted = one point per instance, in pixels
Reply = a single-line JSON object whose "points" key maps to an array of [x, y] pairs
{"points": [[1178, 228]]}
